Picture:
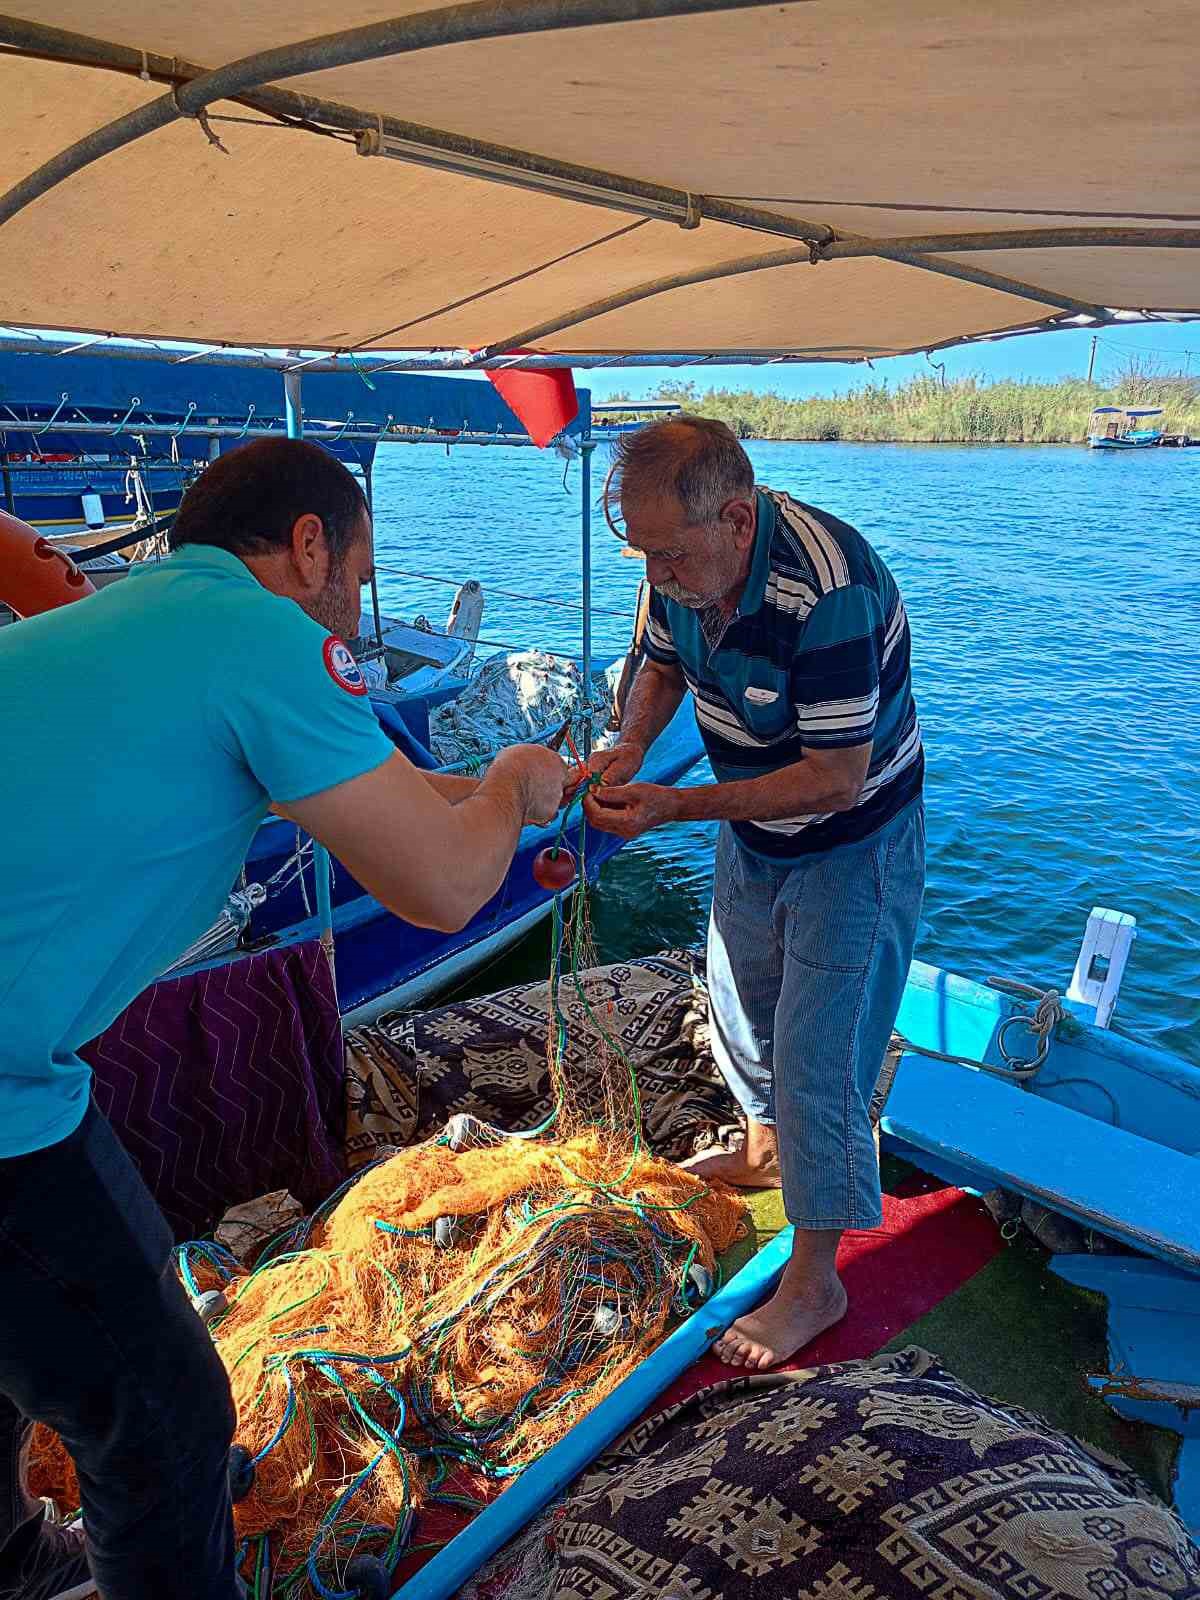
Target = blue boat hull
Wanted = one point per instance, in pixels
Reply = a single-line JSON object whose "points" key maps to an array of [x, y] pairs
{"points": [[383, 960], [1107, 1134], [51, 498], [1146, 442], [1098, 1073]]}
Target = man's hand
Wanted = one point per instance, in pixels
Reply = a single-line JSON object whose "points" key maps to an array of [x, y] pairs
{"points": [[618, 765], [630, 809], [542, 776]]}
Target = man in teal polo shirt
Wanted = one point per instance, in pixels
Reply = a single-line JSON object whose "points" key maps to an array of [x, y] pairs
{"points": [[147, 731], [789, 633]]}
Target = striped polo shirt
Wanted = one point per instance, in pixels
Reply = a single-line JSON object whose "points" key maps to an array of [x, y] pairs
{"points": [[816, 657]]}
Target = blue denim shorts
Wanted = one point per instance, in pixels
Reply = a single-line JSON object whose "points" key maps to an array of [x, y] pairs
{"points": [[807, 963]]}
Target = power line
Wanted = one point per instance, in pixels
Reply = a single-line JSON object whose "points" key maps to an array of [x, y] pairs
{"points": [[1145, 350]]}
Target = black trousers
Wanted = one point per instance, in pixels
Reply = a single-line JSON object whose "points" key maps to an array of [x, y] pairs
{"points": [[98, 1339]]}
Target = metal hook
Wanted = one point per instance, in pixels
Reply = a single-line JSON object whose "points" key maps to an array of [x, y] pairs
{"points": [[341, 433], [45, 428], [187, 417], [245, 425], [134, 402]]}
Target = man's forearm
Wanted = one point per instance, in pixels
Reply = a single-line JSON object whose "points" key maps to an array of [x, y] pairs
{"points": [[450, 786], [653, 701], [813, 786], [486, 825]]}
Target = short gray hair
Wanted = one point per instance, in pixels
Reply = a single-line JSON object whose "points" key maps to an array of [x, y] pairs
{"points": [[696, 459]]}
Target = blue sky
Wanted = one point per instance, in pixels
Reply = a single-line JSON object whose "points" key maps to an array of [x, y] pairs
{"points": [[1173, 347]]}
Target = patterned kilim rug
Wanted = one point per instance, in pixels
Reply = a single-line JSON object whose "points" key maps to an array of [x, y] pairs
{"points": [[884, 1479], [410, 1071]]}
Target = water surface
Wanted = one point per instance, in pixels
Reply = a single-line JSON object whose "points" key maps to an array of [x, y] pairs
{"points": [[1055, 608]]}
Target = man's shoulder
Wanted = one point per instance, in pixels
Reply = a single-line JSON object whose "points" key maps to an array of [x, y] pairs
{"points": [[813, 546], [240, 608]]}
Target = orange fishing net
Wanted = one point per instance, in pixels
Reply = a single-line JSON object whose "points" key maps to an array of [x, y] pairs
{"points": [[456, 1309]]}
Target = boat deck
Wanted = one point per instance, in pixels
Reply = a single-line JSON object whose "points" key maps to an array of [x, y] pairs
{"points": [[939, 1275]]}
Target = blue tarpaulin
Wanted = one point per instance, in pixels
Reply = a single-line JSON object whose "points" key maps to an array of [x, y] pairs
{"points": [[33, 386]]}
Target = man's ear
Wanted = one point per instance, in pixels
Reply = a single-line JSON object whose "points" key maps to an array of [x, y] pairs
{"points": [[310, 555], [743, 514]]}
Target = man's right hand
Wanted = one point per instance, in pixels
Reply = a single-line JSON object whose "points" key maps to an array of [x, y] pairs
{"points": [[543, 777], [618, 765]]}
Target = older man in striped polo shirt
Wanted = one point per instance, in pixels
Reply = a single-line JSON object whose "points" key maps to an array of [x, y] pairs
{"points": [[791, 636]]}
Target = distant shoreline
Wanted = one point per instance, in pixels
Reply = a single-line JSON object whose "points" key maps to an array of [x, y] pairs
{"points": [[981, 444], [927, 411]]}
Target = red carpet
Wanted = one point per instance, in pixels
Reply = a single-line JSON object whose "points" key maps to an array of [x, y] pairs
{"points": [[932, 1240]]}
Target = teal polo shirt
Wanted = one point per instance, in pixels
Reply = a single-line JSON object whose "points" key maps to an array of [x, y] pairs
{"points": [[145, 731]]}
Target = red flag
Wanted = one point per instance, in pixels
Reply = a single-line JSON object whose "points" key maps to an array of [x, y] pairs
{"points": [[545, 401]]}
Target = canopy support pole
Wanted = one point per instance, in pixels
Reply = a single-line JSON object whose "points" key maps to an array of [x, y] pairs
{"points": [[587, 445], [369, 489], [293, 410]]}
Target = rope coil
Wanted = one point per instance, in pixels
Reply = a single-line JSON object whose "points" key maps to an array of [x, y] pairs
{"points": [[1042, 1023]]}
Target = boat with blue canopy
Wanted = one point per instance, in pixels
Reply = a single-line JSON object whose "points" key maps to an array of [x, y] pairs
{"points": [[1124, 428]]}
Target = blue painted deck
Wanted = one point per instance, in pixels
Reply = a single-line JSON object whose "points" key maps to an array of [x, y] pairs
{"points": [[1108, 1134], [1153, 1353]]}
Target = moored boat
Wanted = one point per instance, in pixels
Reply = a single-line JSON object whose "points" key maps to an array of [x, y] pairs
{"points": [[1124, 428]]}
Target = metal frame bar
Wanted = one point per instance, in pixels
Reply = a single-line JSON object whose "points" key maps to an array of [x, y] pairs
{"points": [[232, 431], [110, 346], [428, 146], [450, 361], [785, 258], [322, 865]]}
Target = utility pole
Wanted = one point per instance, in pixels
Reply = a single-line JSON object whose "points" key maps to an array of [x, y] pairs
{"points": [[1092, 358]]}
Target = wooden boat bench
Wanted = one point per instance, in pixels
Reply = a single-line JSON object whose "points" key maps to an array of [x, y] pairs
{"points": [[996, 1135]]}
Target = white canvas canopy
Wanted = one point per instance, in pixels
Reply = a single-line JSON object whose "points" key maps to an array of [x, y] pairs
{"points": [[824, 179]]}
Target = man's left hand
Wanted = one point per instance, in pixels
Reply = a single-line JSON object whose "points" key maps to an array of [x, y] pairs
{"points": [[630, 809]]}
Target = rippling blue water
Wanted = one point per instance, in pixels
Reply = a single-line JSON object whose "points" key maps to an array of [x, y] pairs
{"points": [[1054, 598]]}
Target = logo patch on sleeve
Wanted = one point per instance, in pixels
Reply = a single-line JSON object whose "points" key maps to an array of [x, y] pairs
{"points": [[342, 667]]}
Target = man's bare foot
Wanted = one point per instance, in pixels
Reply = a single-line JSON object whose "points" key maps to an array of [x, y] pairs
{"points": [[736, 1167], [775, 1332]]}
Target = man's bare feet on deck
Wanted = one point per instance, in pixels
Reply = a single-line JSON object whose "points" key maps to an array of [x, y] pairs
{"points": [[752, 1164], [733, 1166], [775, 1332]]}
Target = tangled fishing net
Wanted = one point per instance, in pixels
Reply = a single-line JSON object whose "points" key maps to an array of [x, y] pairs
{"points": [[515, 696], [446, 1317]]}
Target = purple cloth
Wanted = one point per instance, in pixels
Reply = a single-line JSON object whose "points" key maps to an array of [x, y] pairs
{"points": [[229, 1083]]}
